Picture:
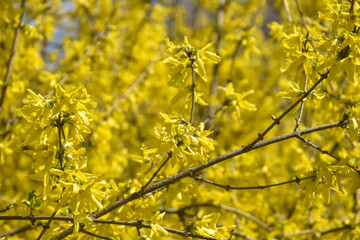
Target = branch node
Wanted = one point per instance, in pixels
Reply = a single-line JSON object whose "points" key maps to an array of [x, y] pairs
{"points": [[260, 136]]}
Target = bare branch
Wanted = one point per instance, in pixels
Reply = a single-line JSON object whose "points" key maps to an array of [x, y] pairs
{"points": [[307, 142], [95, 235], [305, 24], [241, 235], [192, 93], [17, 231], [287, 11], [298, 120], [223, 207], [137, 224], [228, 187], [11, 57]]}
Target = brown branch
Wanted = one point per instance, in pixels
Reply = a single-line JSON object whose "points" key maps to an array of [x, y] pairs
{"points": [[175, 178], [137, 224], [47, 225], [228, 187], [298, 120], [77, 63], [305, 24], [309, 143], [168, 155], [220, 13], [11, 57], [95, 235], [255, 144], [287, 11], [192, 93], [223, 207], [320, 232], [16, 231], [241, 235]]}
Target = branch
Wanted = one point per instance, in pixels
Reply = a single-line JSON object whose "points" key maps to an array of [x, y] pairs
{"points": [[168, 155], [239, 234], [321, 232], [298, 120], [137, 224], [47, 225], [95, 235], [78, 62], [304, 22], [307, 142], [228, 187], [175, 178], [11, 57], [255, 144], [223, 207], [16, 231], [287, 11], [192, 93]]}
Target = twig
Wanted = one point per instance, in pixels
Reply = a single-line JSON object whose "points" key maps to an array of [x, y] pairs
{"points": [[352, 6], [219, 26], [307, 142], [175, 178], [228, 187], [168, 155], [77, 64], [212, 115], [47, 225], [255, 144], [241, 235], [61, 149], [7, 208], [11, 57], [16, 231], [137, 224], [320, 232], [287, 11], [223, 207], [298, 120], [192, 93], [304, 22], [95, 235], [277, 120]]}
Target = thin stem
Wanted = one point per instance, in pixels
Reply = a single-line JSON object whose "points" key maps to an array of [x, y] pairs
{"points": [[352, 6], [298, 120], [95, 235], [166, 156], [223, 207], [47, 225], [320, 232], [192, 94], [246, 237], [16, 231], [305, 24], [138, 224], [61, 150], [228, 187], [309, 143], [11, 57], [255, 144], [277, 120], [287, 11], [175, 178], [220, 13], [169, 155]]}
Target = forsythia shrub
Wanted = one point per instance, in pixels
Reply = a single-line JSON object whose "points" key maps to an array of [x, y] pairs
{"points": [[144, 119]]}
